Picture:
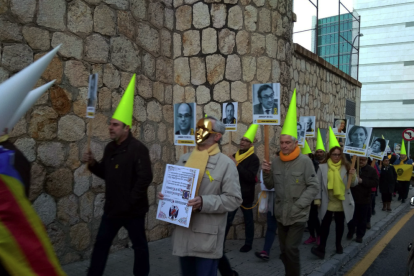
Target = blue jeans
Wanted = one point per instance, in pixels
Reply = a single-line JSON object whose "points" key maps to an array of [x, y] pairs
{"points": [[248, 223], [108, 229], [270, 232], [196, 266]]}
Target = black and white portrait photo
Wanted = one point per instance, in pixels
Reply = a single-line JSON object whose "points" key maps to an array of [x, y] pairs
{"points": [[230, 115], [184, 123], [266, 103], [309, 125], [377, 148], [92, 95], [357, 140], [301, 127]]}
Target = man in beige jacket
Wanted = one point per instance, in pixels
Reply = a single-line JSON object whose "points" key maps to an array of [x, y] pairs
{"points": [[200, 246]]}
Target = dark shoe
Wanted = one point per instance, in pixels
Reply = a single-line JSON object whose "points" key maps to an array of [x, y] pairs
{"points": [[317, 252], [384, 209], [399, 198], [368, 225], [358, 240], [246, 248], [350, 236], [403, 201], [339, 250], [262, 255], [388, 210]]}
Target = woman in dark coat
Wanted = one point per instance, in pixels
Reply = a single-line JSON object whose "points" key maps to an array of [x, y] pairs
{"points": [[387, 181]]}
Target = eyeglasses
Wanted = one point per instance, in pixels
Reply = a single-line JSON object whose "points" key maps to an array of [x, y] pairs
{"points": [[336, 155], [266, 98], [245, 140], [185, 116]]}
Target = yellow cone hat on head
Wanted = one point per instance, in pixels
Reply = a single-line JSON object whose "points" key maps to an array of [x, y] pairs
{"points": [[403, 151], [319, 142], [125, 107], [306, 149], [333, 142], [290, 125], [251, 132]]}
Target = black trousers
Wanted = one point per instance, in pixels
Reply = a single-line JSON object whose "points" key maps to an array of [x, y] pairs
{"points": [[386, 197], [404, 187], [314, 225], [108, 229], [326, 224], [358, 223]]}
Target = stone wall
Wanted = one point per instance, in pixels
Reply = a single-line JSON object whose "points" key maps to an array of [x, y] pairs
{"points": [[206, 52]]}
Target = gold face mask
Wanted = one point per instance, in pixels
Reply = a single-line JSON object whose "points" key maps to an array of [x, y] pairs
{"points": [[204, 129]]}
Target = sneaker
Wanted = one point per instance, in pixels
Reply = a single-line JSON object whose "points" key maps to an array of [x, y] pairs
{"points": [[368, 225], [317, 252], [245, 248], [310, 240], [318, 240], [358, 239], [262, 255]]}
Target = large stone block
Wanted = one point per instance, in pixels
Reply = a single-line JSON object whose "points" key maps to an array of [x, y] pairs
{"points": [[67, 210], [54, 71], [73, 157], [213, 109], [80, 236], [215, 68], [227, 41], [156, 14], [59, 183], [104, 20], [52, 14], [37, 179], [265, 21], [203, 94], [243, 42], [10, 32], [191, 43], [189, 94], [198, 70], [36, 38], [81, 178], [183, 18], [72, 46], [45, 207], [249, 68], [246, 112], [164, 67], [140, 112], [201, 15], [221, 92], [148, 65], [250, 18], [126, 24], [27, 147], [16, 57], [148, 38], [169, 19], [258, 44], [209, 41], [182, 71], [218, 15], [176, 45], [124, 54], [71, 128], [96, 49], [154, 111], [264, 68], [118, 4], [80, 18], [139, 9], [271, 45], [166, 43], [144, 86], [77, 73], [238, 91], [86, 206], [43, 123], [233, 68], [51, 154], [23, 10], [281, 53], [235, 20]]}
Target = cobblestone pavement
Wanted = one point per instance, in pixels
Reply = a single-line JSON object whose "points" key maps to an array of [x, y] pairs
{"points": [[163, 263]]}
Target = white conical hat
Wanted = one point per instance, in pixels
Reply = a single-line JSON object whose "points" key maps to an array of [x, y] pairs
{"points": [[27, 103], [14, 90]]}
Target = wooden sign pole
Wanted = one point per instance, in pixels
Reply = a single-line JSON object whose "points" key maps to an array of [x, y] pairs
{"points": [[185, 149], [373, 163], [266, 140], [358, 166], [89, 134], [352, 166]]}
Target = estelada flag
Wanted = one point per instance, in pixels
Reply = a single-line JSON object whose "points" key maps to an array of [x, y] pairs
{"points": [[404, 172], [25, 248]]}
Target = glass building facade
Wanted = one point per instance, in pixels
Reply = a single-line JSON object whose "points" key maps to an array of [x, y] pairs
{"points": [[328, 40]]}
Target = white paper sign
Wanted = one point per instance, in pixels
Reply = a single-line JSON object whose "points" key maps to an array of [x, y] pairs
{"points": [[230, 116], [92, 96], [357, 140], [266, 103], [262, 185], [301, 133], [378, 148], [310, 122], [340, 127], [179, 186]]}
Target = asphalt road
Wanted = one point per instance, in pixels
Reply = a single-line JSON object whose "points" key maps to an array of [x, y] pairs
{"points": [[393, 258]]}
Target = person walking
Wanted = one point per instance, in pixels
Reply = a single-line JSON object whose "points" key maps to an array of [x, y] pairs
{"points": [[126, 169], [293, 177], [336, 200], [387, 181], [374, 193], [361, 193], [200, 246], [403, 186]]}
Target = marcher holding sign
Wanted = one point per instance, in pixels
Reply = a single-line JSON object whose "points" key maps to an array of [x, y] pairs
{"points": [[309, 125], [266, 104], [230, 115], [404, 167], [357, 140], [217, 192], [184, 122]]}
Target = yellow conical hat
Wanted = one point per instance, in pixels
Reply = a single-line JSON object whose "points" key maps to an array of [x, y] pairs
{"points": [[319, 142], [125, 107], [290, 125], [403, 151], [251, 132], [383, 137], [306, 149], [333, 142]]}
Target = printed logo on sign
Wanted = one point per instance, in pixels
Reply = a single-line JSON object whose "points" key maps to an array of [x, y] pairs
{"points": [[400, 171]]}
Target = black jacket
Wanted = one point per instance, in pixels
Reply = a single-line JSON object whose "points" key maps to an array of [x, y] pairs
{"points": [[21, 164], [126, 169], [388, 179], [362, 192], [248, 169]]}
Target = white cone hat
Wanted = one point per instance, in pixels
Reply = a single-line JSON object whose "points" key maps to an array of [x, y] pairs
{"points": [[14, 90], [27, 103]]}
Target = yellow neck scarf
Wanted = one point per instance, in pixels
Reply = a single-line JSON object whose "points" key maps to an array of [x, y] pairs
{"points": [[292, 156], [335, 182], [240, 157], [198, 160], [3, 138], [402, 161]]}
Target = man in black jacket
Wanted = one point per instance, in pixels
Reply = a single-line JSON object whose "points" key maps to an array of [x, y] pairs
{"points": [[361, 193]]}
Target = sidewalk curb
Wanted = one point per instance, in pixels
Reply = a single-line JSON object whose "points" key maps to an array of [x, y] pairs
{"points": [[331, 266]]}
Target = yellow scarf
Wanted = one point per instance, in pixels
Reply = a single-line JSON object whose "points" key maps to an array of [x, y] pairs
{"points": [[4, 138], [335, 182], [292, 156], [198, 160], [402, 161], [240, 157]]}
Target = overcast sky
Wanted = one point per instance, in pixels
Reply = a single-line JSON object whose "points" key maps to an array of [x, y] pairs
{"points": [[305, 10]]}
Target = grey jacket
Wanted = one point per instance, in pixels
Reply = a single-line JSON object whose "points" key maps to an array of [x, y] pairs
{"points": [[205, 236], [348, 204], [296, 186]]}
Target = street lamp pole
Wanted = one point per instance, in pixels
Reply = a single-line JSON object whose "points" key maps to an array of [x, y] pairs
{"points": [[352, 47]]}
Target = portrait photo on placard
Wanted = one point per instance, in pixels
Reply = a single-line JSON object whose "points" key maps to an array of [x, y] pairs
{"points": [[339, 128], [309, 125], [377, 149], [230, 115], [397, 147], [266, 103], [357, 140], [184, 123], [301, 126]]}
